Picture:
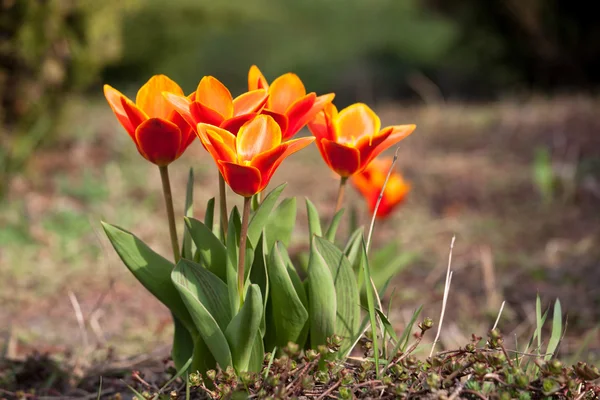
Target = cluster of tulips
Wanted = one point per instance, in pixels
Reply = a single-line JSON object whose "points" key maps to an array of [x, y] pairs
{"points": [[232, 288]]}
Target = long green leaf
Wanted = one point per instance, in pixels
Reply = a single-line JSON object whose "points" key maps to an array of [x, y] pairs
{"points": [[293, 274], [206, 299], [314, 222], [183, 344], [352, 251], [322, 304], [151, 270], [187, 247], [370, 303], [209, 216], [334, 225], [261, 216], [259, 275], [346, 290], [281, 223], [211, 251], [289, 314], [244, 327], [556, 333]]}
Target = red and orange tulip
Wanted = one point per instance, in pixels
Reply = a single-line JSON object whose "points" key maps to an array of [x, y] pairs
{"points": [[288, 102], [213, 104], [160, 134], [351, 139], [248, 161], [370, 181]]}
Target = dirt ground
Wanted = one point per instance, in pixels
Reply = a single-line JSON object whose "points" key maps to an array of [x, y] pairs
{"points": [[64, 290]]}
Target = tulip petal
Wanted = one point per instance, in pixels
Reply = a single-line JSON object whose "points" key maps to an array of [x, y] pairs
{"points": [[113, 96], [344, 160], [284, 91], [187, 137], [297, 114], [398, 133], [257, 136], [134, 114], [290, 147], [150, 99], [158, 141], [281, 120], [322, 126], [356, 121], [219, 142], [256, 79], [182, 105], [265, 162], [244, 180], [234, 124], [366, 145], [213, 94], [205, 115], [250, 102]]}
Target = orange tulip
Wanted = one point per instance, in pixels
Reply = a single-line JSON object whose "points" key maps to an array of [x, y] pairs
{"points": [[213, 104], [350, 139], [248, 161], [288, 101], [370, 182], [160, 134]]}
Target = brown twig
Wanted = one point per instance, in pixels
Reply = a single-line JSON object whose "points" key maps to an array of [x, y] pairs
{"points": [[330, 390]]}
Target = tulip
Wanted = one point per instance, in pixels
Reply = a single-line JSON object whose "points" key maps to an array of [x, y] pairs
{"points": [[160, 134], [288, 102], [247, 162], [350, 139], [213, 104], [371, 181]]}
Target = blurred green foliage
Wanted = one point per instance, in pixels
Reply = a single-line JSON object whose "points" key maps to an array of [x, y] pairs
{"points": [[48, 50], [345, 46]]}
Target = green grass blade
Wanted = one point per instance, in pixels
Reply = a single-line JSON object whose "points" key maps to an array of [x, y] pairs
{"points": [[99, 390], [556, 333], [370, 305]]}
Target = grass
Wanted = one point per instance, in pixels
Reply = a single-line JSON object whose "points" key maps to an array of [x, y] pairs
{"points": [[471, 172]]}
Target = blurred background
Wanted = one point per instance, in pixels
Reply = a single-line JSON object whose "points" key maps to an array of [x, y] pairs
{"points": [[506, 154]]}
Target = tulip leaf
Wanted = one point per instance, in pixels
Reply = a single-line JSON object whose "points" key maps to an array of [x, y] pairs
{"points": [[209, 216], [353, 249], [212, 253], [281, 223], [258, 353], [261, 217], [322, 301], [334, 225], [231, 265], [183, 344], [314, 223], [205, 296], [151, 270], [346, 290], [364, 265], [244, 328], [296, 281], [259, 275], [188, 248], [289, 312]]}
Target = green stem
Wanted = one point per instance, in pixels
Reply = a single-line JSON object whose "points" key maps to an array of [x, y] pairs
{"points": [[243, 238], [166, 185], [340, 196], [223, 203]]}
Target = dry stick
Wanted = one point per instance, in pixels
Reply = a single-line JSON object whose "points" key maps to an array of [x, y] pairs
{"points": [[499, 315], [243, 238], [166, 185], [223, 203], [330, 390], [79, 317], [445, 299]]}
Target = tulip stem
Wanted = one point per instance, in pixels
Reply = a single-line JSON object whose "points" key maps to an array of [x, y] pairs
{"points": [[166, 185], [223, 204], [340, 195], [242, 255]]}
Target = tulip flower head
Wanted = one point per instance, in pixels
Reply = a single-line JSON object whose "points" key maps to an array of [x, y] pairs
{"points": [[248, 161], [350, 139], [370, 181], [213, 104], [288, 102], [160, 134]]}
